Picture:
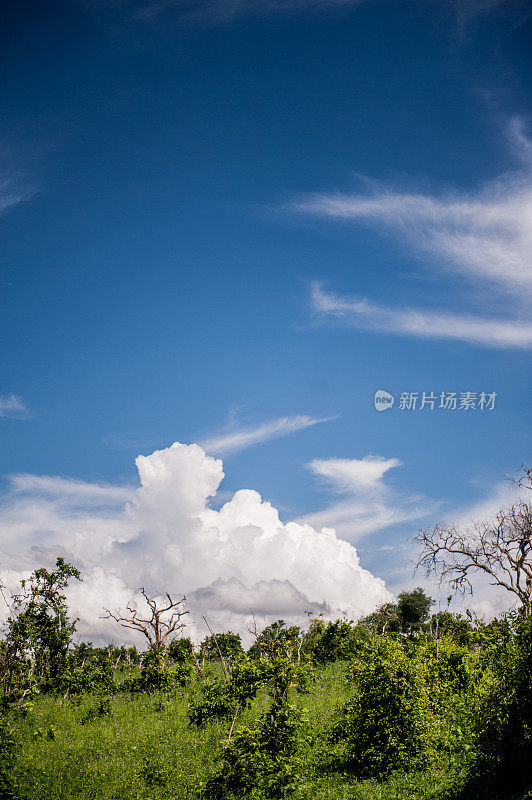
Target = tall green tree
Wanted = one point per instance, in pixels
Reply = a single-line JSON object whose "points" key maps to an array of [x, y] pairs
{"points": [[413, 610], [39, 630]]}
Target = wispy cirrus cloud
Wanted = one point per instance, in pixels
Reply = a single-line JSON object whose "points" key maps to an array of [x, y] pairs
{"points": [[11, 194], [69, 490], [11, 405], [369, 504], [464, 10], [243, 437], [426, 324], [215, 9], [483, 239], [15, 185]]}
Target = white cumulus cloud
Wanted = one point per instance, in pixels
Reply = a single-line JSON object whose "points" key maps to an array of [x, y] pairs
{"points": [[164, 536]]}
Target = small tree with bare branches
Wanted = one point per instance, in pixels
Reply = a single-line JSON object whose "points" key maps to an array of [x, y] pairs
{"points": [[163, 622], [500, 548]]}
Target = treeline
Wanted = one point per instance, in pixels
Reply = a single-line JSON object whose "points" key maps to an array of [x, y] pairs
{"points": [[438, 693]]}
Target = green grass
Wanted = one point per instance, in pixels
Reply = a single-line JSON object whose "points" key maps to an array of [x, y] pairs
{"points": [[146, 749]]}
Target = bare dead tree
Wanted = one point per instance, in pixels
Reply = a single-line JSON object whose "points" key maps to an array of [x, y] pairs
{"points": [[163, 622], [252, 627], [524, 478], [500, 548]]}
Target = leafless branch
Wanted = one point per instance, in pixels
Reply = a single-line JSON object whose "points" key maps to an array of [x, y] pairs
{"points": [[500, 548], [163, 621], [524, 478], [232, 726]]}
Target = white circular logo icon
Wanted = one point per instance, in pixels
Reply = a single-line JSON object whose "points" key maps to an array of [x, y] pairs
{"points": [[383, 400]]}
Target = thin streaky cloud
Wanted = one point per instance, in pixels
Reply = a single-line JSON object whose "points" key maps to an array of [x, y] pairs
{"points": [[248, 436], [11, 405], [217, 9], [13, 192], [484, 237], [69, 490], [371, 505], [426, 324], [486, 240], [520, 142], [465, 11], [353, 520]]}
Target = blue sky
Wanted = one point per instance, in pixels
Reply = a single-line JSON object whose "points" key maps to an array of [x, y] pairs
{"points": [[248, 217]]}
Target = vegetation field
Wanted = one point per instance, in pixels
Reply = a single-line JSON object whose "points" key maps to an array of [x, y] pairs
{"points": [[145, 747], [399, 706]]}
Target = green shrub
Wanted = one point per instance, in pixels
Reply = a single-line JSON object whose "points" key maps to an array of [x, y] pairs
{"points": [[388, 724], [264, 758], [156, 675], [501, 765], [7, 762], [325, 643], [275, 640], [220, 697], [86, 676], [261, 758], [228, 644], [180, 651]]}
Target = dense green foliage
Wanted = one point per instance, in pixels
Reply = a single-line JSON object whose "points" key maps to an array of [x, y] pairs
{"points": [[502, 761], [388, 723], [408, 615], [263, 757], [400, 705], [222, 645]]}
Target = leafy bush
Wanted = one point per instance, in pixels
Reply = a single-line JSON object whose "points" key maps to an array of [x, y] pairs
{"points": [[445, 624], [336, 640], [8, 784], [408, 615], [502, 762], [220, 697], [228, 644], [216, 701], [276, 639], [180, 651], [156, 675], [388, 724], [264, 757], [85, 676]]}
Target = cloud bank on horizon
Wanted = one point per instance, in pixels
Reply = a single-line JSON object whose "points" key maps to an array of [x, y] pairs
{"points": [[165, 536]]}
